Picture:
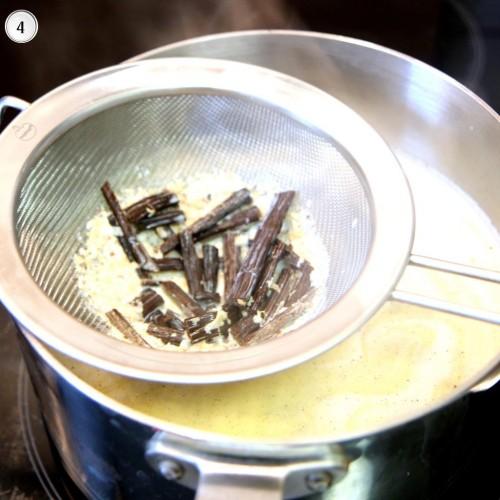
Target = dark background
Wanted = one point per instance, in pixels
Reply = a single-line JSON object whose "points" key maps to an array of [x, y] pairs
{"points": [[461, 37]]}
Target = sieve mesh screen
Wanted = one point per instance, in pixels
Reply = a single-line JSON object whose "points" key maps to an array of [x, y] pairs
{"points": [[147, 141]]}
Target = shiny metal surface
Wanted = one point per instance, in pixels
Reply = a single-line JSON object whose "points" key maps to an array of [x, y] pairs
{"points": [[417, 299], [11, 102], [453, 268], [126, 124]]}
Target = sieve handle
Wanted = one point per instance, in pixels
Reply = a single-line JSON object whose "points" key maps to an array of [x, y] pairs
{"points": [[11, 102], [443, 305]]}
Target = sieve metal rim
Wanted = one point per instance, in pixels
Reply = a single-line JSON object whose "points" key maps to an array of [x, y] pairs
{"points": [[59, 110]]}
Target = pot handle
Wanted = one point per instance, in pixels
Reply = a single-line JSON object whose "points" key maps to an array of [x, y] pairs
{"points": [[11, 102], [214, 475]]}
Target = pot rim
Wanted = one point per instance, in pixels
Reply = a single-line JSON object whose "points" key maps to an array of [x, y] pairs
{"points": [[319, 35]]}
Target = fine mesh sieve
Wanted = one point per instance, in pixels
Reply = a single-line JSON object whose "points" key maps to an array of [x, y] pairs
{"points": [[147, 142], [144, 123]]}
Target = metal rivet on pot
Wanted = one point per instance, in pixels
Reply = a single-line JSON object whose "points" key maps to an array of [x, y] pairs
{"points": [[318, 482], [171, 470]]}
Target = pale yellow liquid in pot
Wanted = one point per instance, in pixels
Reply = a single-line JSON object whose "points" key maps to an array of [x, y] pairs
{"points": [[404, 359]]}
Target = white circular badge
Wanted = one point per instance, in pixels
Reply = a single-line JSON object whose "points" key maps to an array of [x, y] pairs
{"points": [[21, 26]]}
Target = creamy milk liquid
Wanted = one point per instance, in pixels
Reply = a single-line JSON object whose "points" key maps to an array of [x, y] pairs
{"points": [[404, 359]]}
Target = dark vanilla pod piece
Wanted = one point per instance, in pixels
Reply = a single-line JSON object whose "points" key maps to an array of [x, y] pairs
{"points": [[239, 253], [147, 207], [292, 258], [252, 266], [261, 290], [129, 233], [141, 273], [283, 295], [235, 221], [208, 299], [141, 256], [230, 262], [204, 336], [170, 319], [120, 323], [163, 218], [126, 248], [192, 267], [166, 334], [274, 327], [284, 287], [151, 301], [232, 203], [187, 304], [234, 312], [195, 323], [235, 201], [148, 282], [243, 329], [154, 316], [169, 264], [303, 285], [210, 268]]}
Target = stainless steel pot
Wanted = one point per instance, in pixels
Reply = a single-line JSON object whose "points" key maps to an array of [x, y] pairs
{"points": [[113, 452]]}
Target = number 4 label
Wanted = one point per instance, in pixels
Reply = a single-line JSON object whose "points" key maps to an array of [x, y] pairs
{"points": [[21, 26]]}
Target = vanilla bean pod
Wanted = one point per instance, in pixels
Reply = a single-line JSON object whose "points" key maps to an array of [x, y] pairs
{"points": [[147, 206], [151, 301], [252, 266], [163, 218], [261, 290], [241, 218], [195, 323], [235, 201], [166, 334], [187, 304], [169, 264], [120, 323], [192, 267], [129, 233], [230, 262]]}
